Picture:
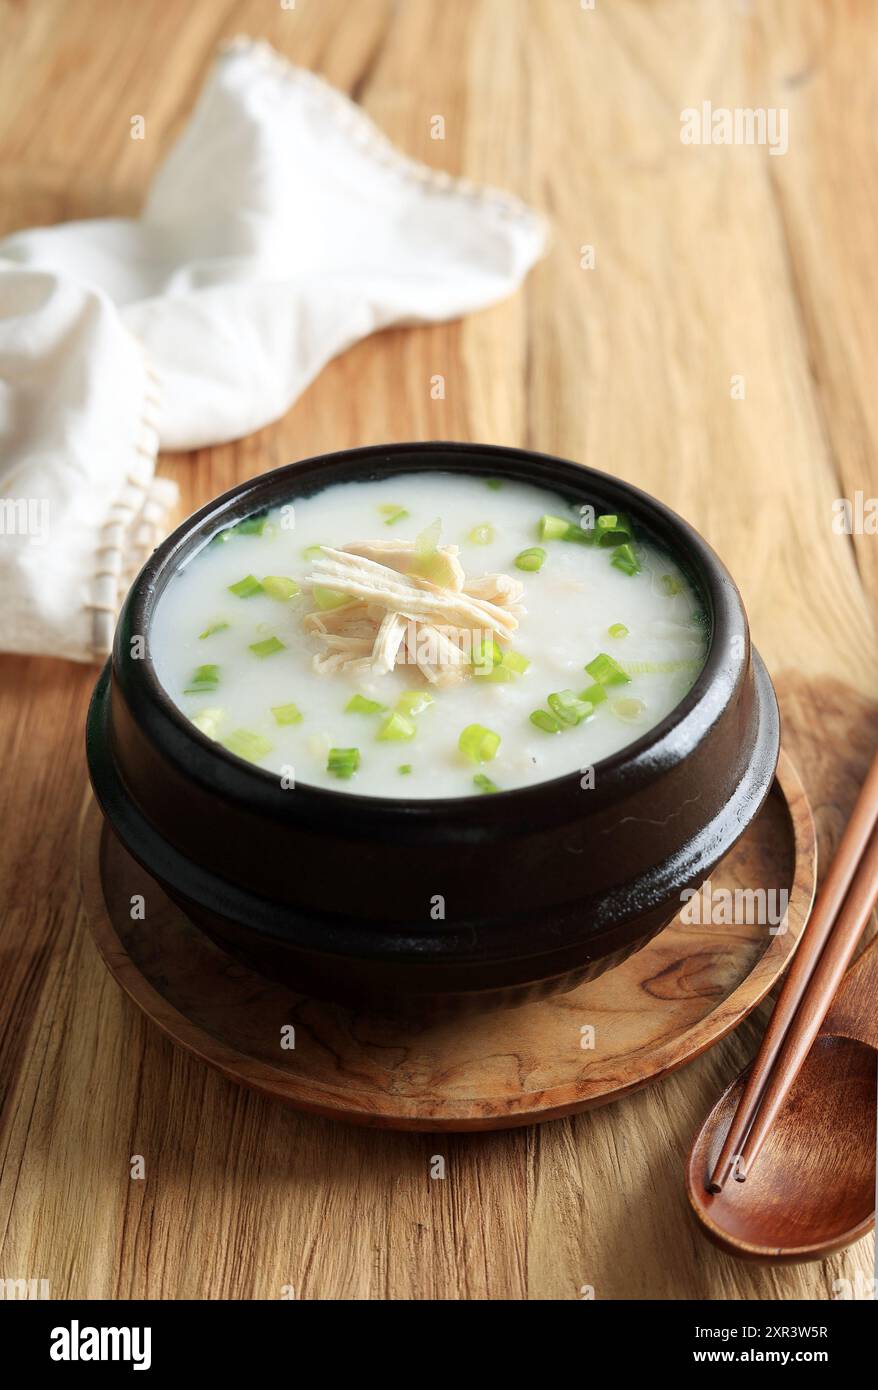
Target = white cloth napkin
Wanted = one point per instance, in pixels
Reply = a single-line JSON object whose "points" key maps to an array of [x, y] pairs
{"points": [[281, 228]]}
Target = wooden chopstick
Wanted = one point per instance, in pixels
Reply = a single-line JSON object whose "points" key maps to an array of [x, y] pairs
{"points": [[814, 1004], [850, 853]]}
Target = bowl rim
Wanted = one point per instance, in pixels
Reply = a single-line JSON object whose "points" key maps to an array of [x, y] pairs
{"points": [[503, 936], [215, 767]]}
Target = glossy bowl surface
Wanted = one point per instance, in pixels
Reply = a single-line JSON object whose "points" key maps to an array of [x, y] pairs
{"points": [[456, 903]]}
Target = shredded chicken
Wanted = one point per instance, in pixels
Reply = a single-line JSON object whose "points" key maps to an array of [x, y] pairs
{"points": [[395, 613], [354, 620], [387, 643], [502, 589], [342, 654], [439, 659], [364, 579], [445, 568]]}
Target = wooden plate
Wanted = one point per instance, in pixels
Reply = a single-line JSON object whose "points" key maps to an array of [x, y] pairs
{"points": [[662, 1007]]}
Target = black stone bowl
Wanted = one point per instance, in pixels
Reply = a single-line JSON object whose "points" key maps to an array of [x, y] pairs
{"points": [[544, 886]]}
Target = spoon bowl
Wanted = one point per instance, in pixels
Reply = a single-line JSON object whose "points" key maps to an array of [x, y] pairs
{"points": [[812, 1190]]}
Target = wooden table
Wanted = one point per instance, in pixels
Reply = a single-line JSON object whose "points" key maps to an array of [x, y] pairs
{"points": [[711, 263]]}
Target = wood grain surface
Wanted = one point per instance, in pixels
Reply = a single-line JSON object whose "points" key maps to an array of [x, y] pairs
{"points": [[826, 1128], [662, 1007], [710, 263]]}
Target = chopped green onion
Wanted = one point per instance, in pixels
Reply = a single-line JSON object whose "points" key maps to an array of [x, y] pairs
{"points": [[252, 525], [486, 653], [358, 704], [397, 728], [426, 541], [484, 783], [605, 670], [553, 528], [257, 525], [313, 552], [429, 563], [624, 559], [246, 587], [219, 626], [531, 559], [247, 744], [628, 708], [286, 714], [482, 534], [617, 630], [204, 678], [671, 584], [207, 720], [593, 694], [404, 769], [516, 662], [546, 721], [280, 587], [343, 762], [413, 702], [613, 529], [478, 743], [567, 706], [494, 484], [329, 598], [558, 528], [493, 664], [392, 513], [319, 744], [267, 647]]}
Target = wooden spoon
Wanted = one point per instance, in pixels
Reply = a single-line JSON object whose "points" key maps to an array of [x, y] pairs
{"points": [[812, 1191]]}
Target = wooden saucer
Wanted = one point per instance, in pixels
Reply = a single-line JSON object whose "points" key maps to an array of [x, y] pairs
{"points": [[662, 1007]]}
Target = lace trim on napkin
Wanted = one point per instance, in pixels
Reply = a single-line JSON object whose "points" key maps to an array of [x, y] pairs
{"points": [[138, 517], [364, 132], [136, 521]]}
